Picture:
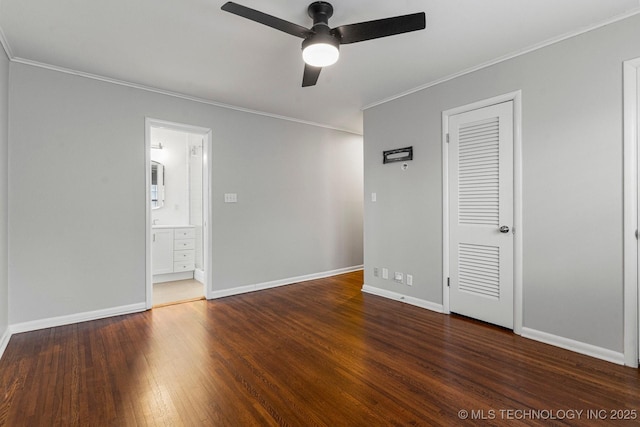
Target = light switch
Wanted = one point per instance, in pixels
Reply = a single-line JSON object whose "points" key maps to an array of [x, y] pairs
{"points": [[374, 197], [230, 198]]}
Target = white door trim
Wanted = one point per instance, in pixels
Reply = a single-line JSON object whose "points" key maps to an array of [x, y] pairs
{"points": [[516, 97], [207, 209], [630, 211], [207, 212]]}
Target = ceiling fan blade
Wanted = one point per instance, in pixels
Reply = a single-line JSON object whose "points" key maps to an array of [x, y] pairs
{"points": [[310, 76], [362, 31], [268, 20]]}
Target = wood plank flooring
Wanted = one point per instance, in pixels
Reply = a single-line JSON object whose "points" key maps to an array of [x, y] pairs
{"points": [[319, 353]]}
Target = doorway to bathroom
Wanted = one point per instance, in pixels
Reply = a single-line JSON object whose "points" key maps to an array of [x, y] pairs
{"points": [[178, 212]]}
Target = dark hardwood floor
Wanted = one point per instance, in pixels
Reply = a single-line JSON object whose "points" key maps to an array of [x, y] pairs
{"points": [[316, 353]]}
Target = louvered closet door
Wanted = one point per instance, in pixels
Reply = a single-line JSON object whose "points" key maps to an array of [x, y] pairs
{"points": [[481, 202]]}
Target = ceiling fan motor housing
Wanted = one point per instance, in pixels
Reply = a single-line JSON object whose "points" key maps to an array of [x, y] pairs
{"points": [[321, 37], [320, 12]]}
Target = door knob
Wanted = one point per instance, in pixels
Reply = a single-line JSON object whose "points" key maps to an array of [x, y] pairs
{"points": [[504, 229]]}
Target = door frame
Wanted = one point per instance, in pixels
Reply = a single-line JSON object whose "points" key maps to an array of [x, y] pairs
{"points": [[207, 173], [630, 211], [516, 97]]}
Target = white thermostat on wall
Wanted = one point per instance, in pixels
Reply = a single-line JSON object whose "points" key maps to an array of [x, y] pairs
{"points": [[230, 197]]}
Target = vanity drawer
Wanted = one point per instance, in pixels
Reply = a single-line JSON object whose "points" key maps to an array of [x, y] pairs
{"points": [[183, 266], [184, 233], [184, 256], [183, 244]]}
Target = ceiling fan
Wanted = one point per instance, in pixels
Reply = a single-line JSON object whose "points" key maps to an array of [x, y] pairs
{"points": [[320, 47]]}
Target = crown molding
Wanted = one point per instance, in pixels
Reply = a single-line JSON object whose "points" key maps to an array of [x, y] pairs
{"points": [[13, 58], [174, 94], [5, 45], [504, 58], [8, 51]]}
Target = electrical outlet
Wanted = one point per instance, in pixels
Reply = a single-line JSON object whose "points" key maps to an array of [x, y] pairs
{"points": [[385, 273], [376, 273], [397, 276], [409, 280]]}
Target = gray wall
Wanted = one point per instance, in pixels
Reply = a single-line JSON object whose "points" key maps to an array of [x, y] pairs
{"points": [[4, 164], [572, 179], [77, 194]]}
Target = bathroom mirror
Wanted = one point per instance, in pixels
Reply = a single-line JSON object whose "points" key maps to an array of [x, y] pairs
{"points": [[157, 185]]}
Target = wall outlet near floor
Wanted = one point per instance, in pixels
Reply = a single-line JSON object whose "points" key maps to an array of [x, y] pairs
{"points": [[385, 273], [397, 276], [376, 272], [409, 280]]}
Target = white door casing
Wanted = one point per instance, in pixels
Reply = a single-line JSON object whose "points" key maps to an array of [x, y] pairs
{"points": [[207, 174], [631, 309], [481, 213]]}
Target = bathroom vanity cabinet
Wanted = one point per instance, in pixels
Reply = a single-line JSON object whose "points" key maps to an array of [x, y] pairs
{"points": [[173, 249], [162, 251]]}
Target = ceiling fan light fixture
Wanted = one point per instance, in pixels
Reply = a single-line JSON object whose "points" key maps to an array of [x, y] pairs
{"points": [[320, 50], [320, 54]]}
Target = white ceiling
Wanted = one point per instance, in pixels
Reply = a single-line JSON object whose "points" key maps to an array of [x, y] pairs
{"points": [[193, 48]]}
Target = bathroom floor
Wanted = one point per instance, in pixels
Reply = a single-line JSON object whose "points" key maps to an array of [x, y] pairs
{"points": [[176, 292]]}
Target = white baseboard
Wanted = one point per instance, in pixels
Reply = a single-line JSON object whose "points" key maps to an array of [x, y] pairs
{"points": [[403, 298], [198, 275], [76, 318], [557, 341], [4, 341], [282, 282], [577, 346]]}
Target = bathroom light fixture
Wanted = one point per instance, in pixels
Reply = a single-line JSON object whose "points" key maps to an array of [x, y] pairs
{"points": [[158, 146]]}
